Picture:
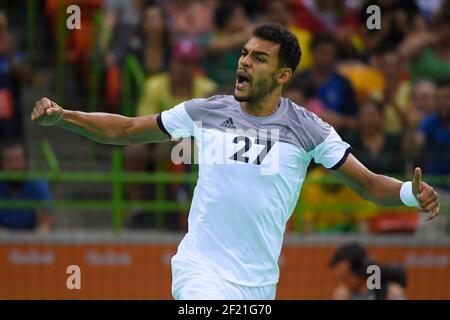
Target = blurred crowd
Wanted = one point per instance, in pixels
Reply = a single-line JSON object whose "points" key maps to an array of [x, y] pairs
{"points": [[386, 91]]}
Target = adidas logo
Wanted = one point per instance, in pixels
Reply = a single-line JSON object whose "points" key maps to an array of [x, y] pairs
{"points": [[228, 124]]}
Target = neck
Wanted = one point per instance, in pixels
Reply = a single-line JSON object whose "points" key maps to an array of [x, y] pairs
{"points": [[265, 106]]}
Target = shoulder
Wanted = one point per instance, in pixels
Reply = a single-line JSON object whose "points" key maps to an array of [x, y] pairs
{"points": [[305, 119], [300, 113], [309, 128], [198, 108], [429, 122]]}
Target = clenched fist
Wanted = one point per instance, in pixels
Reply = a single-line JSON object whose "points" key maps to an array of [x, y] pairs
{"points": [[46, 112]]}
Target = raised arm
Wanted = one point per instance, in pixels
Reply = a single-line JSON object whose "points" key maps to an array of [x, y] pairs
{"points": [[385, 190], [101, 127]]}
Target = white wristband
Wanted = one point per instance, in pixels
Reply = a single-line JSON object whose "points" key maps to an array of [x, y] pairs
{"points": [[407, 195]]}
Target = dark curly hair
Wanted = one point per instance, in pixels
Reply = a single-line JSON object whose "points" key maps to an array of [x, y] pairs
{"points": [[290, 52]]}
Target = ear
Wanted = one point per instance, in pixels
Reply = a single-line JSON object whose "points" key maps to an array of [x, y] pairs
{"points": [[284, 75]]}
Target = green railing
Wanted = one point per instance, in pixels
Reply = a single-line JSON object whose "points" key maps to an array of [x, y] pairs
{"points": [[117, 178]]}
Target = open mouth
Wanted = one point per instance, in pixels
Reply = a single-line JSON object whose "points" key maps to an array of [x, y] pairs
{"points": [[242, 79]]}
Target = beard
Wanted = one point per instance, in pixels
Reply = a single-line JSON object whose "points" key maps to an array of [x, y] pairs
{"points": [[257, 92]]}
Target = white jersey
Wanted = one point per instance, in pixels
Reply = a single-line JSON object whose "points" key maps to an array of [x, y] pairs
{"points": [[251, 170]]}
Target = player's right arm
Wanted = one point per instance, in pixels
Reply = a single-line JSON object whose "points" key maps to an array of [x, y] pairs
{"points": [[98, 126]]}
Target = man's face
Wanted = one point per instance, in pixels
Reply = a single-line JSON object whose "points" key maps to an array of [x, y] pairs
{"points": [[370, 118], [424, 97], [278, 12], [153, 20], [344, 276], [324, 56], [13, 159], [257, 70], [238, 20], [390, 66], [443, 102]]}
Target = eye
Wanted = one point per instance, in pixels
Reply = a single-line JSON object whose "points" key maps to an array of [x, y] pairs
{"points": [[243, 53], [260, 59]]}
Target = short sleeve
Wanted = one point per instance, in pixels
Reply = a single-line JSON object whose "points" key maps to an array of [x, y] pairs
{"points": [[332, 152], [41, 191], [176, 122]]}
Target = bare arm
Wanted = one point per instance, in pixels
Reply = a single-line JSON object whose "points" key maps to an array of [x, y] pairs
{"points": [[385, 190], [412, 46], [101, 127]]}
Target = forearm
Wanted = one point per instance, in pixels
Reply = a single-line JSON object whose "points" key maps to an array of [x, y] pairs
{"points": [[383, 190], [101, 127], [374, 187]]}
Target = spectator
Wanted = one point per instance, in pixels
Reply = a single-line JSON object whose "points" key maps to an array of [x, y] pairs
{"points": [[335, 91], [13, 71], [280, 11], [396, 90], [350, 263], [304, 95], [232, 30], [334, 16], [377, 150], [14, 159], [366, 79], [433, 138], [190, 19], [182, 82], [121, 21], [152, 48], [433, 135], [428, 8], [398, 19], [382, 152], [422, 103], [428, 52], [423, 97]]}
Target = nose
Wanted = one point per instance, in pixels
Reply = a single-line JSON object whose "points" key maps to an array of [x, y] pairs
{"points": [[245, 61]]}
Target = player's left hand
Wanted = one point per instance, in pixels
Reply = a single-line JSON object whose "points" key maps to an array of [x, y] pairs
{"points": [[428, 198]]}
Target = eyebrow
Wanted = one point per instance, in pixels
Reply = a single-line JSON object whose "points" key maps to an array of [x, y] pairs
{"points": [[257, 52]]}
